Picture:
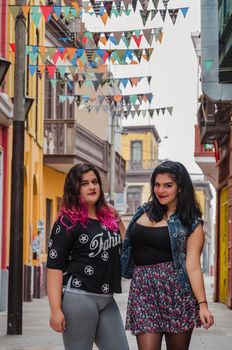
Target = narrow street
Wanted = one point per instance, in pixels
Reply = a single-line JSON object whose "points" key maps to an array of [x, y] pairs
{"points": [[38, 336]]}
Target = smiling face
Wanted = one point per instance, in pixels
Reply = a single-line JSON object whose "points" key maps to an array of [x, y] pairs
{"points": [[90, 188], [166, 190]]}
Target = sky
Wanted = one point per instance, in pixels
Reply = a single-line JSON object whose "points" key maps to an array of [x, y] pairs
{"points": [[174, 70]]}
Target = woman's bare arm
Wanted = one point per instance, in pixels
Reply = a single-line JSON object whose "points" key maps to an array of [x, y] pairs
{"points": [[195, 244], [54, 288]]}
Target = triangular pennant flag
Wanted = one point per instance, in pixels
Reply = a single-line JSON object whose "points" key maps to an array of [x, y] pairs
{"points": [[95, 84], [46, 11], [96, 5], [144, 15], [53, 82], [32, 69], [104, 17], [33, 56], [155, 3], [96, 38], [163, 110], [36, 18], [118, 36], [149, 97], [149, 80], [184, 10], [151, 112], [62, 98], [134, 4], [124, 82], [51, 70], [157, 111], [108, 7], [144, 113], [14, 10], [163, 14], [25, 10], [70, 99], [137, 39], [153, 13], [170, 109], [165, 2], [41, 68], [173, 15], [57, 10], [147, 34], [144, 4], [208, 64]]}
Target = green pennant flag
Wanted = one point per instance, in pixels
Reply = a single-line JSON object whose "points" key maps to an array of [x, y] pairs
{"points": [[53, 82], [208, 64], [36, 17], [14, 10]]}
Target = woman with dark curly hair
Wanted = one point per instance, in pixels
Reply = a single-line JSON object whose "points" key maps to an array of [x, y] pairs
{"points": [[83, 266], [161, 253]]}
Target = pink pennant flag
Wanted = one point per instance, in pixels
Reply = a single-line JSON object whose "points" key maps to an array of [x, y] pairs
{"points": [[51, 70], [46, 11], [137, 39]]}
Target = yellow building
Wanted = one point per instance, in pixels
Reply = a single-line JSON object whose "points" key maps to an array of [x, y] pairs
{"points": [[33, 219], [139, 147]]}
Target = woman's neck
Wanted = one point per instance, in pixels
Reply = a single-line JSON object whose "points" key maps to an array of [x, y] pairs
{"points": [[91, 212]]}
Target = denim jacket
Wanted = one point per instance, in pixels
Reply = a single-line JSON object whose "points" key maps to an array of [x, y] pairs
{"points": [[178, 236]]}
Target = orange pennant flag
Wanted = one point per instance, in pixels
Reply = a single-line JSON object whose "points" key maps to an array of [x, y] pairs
{"points": [[104, 17], [25, 9]]}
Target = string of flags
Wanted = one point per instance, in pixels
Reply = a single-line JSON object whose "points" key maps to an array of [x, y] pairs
{"points": [[104, 10]]}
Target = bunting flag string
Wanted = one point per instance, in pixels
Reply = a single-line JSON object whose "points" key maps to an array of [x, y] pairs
{"points": [[82, 57], [74, 11], [111, 99], [79, 80]]}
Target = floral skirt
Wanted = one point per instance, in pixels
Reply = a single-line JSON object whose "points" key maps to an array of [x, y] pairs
{"points": [[156, 303]]}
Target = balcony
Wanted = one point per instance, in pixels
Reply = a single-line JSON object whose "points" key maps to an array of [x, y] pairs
{"points": [[213, 120], [205, 158], [67, 143], [140, 171]]}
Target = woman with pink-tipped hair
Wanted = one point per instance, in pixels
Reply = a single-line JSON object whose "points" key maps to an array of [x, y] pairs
{"points": [[83, 266]]}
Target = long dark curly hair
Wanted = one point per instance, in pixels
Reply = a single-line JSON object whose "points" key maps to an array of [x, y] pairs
{"points": [[188, 207], [75, 208]]}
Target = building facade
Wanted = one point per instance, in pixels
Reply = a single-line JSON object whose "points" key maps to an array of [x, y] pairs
{"points": [[6, 114], [213, 151], [140, 150]]}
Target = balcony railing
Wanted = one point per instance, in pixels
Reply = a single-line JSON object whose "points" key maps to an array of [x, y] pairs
{"points": [[202, 150], [59, 136]]}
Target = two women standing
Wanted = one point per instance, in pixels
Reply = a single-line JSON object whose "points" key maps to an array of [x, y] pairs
{"points": [[84, 266], [161, 253]]}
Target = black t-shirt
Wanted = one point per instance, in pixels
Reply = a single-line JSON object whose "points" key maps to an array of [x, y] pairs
{"points": [[90, 255], [150, 245]]}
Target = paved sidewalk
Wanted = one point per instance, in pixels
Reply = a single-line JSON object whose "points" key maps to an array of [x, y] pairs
{"points": [[38, 336]]}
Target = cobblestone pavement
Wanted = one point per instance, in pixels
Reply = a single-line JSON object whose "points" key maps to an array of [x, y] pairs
{"points": [[38, 336]]}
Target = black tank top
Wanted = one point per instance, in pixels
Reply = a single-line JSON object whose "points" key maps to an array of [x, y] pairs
{"points": [[150, 245]]}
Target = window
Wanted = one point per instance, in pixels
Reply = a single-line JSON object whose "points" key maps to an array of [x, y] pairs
{"points": [[136, 151], [134, 198]]}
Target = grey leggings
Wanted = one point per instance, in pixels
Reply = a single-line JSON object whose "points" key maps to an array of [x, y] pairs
{"points": [[92, 319]]}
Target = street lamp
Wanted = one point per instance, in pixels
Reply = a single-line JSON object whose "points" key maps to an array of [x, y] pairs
{"points": [[28, 102], [4, 66]]}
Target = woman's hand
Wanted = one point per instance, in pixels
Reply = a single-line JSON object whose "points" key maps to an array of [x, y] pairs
{"points": [[206, 316], [57, 320]]}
